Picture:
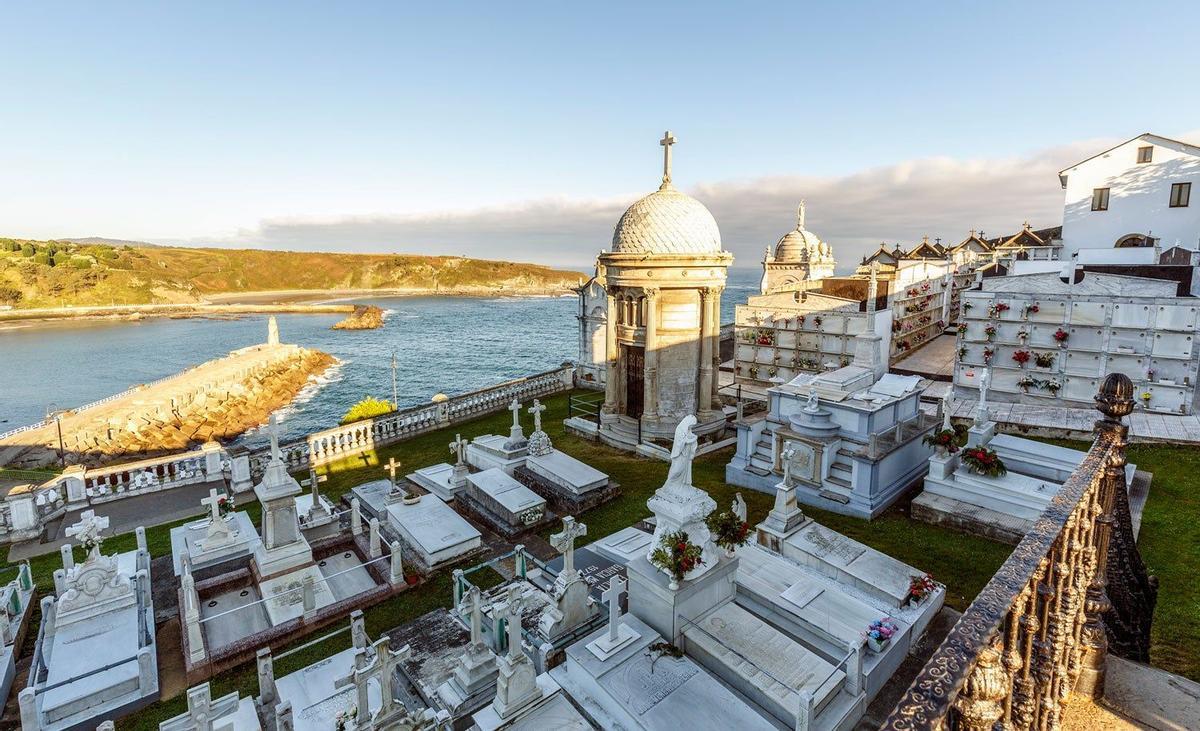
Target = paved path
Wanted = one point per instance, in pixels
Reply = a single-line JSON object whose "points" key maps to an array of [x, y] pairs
{"points": [[934, 360], [126, 514], [1078, 423]]}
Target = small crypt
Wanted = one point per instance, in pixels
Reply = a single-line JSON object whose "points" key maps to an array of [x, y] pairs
{"points": [[96, 657]]}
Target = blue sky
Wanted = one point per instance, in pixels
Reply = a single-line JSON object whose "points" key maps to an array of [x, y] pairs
{"points": [[521, 130]]}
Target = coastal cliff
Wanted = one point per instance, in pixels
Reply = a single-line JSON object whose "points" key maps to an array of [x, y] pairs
{"points": [[39, 274], [364, 317]]}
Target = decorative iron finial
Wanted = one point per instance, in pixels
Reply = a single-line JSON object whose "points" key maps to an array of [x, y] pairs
{"points": [[1115, 399]]}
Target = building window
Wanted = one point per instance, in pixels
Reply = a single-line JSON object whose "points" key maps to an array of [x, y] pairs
{"points": [[1100, 199], [1145, 154], [1181, 194]]}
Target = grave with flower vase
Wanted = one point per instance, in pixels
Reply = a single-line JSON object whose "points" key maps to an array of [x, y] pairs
{"points": [[998, 484], [223, 535]]}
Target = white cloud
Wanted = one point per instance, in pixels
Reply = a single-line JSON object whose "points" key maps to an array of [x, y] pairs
{"points": [[940, 197]]}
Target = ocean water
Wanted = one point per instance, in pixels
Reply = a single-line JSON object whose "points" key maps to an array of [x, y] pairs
{"points": [[442, 345]]}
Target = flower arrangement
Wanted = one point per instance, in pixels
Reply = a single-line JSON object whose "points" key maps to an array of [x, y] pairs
{"points": [[1028, 381], [987, 355], [1146, 396], [772, 371], [766, 337], [919, 587], [984, 461], [942, 439], [800, 321], [342, 721], [962, 352], [913, 292], [1022, 334], [1149, 374], [728, 530], [845, 361], [903, 345], [879, 633], [1043, 360], [1060, 336], [998, 308], [754, 372], [1022, 357], [1029, 309], [224, 506], [990, 331], [1052, 385], [926, 287], [817, 321], [966, 306], [677, 556]]}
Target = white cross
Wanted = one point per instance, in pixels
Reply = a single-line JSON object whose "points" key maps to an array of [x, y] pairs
{"points": [[457, 446], [314, 478], [391, 468], [273, 430], [515, 408], [510, 611], [88, 528], [537, 410], [612, 597], [199, 701], [565, 542], [213, 501], [476, 616], [666, 142]]}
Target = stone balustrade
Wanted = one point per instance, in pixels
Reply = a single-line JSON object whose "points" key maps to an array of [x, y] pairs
{"points": [[1040, 630], [348, 440]]}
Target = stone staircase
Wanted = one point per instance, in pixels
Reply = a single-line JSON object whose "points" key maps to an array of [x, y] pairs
{"points": [[762, 461]]}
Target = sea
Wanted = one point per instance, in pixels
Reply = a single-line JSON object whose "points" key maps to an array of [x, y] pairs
{"points": [[447, 345]]}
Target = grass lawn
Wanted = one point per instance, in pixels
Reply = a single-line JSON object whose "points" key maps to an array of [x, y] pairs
{"points": [[964, 563]]}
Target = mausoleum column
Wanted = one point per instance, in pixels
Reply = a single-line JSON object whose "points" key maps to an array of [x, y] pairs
{"points": [[704, 394], [610, 354], [650, 382], [716, 345]]}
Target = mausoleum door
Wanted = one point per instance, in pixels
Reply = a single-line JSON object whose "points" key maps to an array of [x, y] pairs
{"points": [[635, 369]]}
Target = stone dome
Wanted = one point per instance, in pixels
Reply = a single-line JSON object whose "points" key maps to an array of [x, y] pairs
{"points": [[797, 245], [667, 222]]}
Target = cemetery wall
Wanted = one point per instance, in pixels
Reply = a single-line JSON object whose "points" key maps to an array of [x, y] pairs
{"points": [[1072, 341]]}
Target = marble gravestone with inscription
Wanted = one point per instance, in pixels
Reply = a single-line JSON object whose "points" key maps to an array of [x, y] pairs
{"points": [[431, 532], [638, 688], [507, 506]]}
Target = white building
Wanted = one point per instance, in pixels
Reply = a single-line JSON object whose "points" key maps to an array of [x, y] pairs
{"points": [[799, 256], [1131, 195]]}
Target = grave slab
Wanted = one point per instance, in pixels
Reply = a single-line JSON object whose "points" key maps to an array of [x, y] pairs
{"points": [[285, 596], [432, 532], [315, 698], [437, 479], [189, 540]]}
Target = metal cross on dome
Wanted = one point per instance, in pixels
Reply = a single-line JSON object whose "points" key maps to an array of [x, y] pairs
{"points": [[666, 142]]}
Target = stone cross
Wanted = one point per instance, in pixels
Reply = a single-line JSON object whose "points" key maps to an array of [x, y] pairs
{"points": [[88, 529], [391, 468], [358, 630], [946, 424], [612, 597], [872, 294], [476, 616], [515, 408], [537, 410], [359, 677], [458, 446], [666, 142], [273, 431], [564, 542], [199, 702], [213, 502], [510, 611]]}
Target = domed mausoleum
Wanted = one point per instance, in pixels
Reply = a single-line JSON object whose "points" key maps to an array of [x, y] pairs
{"points": [[799, 255], [662, 281]]}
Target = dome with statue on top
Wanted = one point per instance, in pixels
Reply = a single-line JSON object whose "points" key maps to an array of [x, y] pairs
{"points": [[800, 244], [667, 221]]}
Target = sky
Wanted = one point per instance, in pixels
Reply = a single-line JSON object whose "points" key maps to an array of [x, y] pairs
{"points": [[522, 130]]}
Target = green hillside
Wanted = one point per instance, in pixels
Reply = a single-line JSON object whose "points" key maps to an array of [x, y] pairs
{"points": [[54, 273]]}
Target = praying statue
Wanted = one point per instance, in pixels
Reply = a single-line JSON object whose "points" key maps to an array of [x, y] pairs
{"points": [[814, 401], [683, 451]]}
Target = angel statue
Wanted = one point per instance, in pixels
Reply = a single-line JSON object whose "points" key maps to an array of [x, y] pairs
{"points": [[683, 451]]}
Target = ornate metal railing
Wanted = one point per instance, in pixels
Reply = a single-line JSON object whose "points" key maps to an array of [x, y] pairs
{"points": [[1037, 632]]}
